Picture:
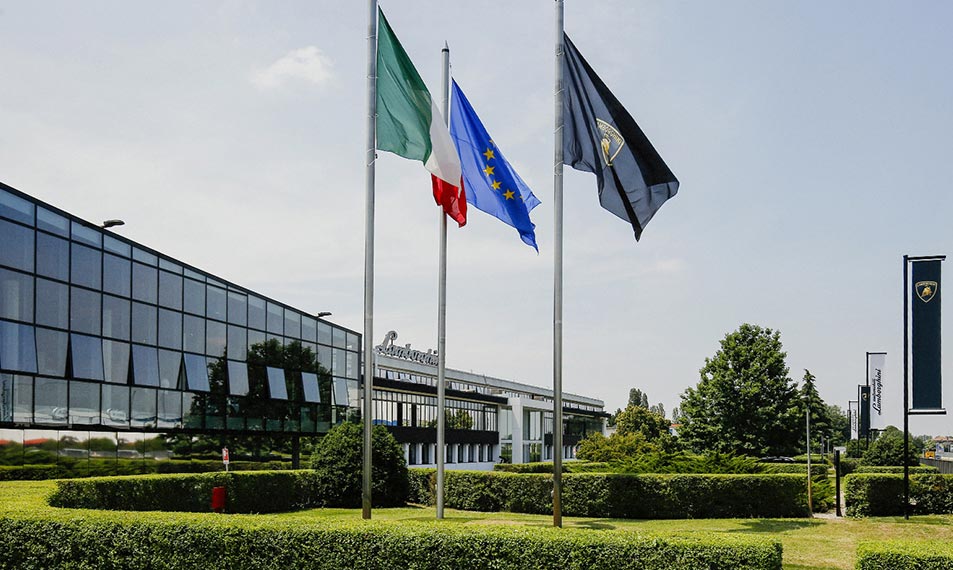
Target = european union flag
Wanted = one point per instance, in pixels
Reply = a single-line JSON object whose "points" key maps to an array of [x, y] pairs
{"points": [[491, 183]]}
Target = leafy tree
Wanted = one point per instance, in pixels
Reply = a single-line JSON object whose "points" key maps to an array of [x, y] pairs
{"points": [[887, 449], [840, 425], [638, 398], [616, 447], [821, 422], [458, 419], [676, 414], [338, 460], [636, 419], [657, 409], [744, 404]]}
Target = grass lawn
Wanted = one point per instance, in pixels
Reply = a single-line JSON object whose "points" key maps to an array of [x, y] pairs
{"points": [[822, 543]]}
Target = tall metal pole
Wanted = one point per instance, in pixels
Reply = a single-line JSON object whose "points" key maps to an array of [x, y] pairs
{"points": [[369, 251], [442, 308], [906, 392], [810, 506], [558, 279], [866, 383]]}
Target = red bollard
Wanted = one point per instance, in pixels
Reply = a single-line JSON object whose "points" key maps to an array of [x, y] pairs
{"points": [[218, 499]]}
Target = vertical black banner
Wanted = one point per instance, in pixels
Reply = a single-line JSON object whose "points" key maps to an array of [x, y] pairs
{"points": [[925, 342], [863, 395]]}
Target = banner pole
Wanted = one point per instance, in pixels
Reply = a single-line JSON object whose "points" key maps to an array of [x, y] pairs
{"points": [[906, 394], [442, 309], [369, 252], [558, 277]]}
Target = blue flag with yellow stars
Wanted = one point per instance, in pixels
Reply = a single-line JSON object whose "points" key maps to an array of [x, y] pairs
{"points": [[491, 183]]}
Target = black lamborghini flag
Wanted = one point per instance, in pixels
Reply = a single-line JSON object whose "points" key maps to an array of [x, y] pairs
{"points": [[601, 137], [927, 384]]}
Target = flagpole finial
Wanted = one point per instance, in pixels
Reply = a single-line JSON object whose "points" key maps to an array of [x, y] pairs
{"points": [[446, 46]]}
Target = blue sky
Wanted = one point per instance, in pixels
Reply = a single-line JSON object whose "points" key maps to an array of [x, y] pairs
{"points": [[812, 141]]}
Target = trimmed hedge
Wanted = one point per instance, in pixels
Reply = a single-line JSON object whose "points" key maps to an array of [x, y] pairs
{"points": [[799, 468], [881, 494], [914, 470], [622, 495], [848, 465], [110, 543], [905, 555], [107, 467], [547, 467]]}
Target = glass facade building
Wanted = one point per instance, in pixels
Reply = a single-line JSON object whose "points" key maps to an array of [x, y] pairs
{"points": [[100, 333]]}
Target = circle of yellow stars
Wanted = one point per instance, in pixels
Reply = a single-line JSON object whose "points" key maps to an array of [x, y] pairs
{"points": [[488, 170]]}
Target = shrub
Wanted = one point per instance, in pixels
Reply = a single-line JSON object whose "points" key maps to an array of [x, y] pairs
{"points": [[918, 470], [630, 496], [905, 555], [848, 465], [887, 449], [422, 482], [873, 494], [106, 467], [117, 544], [547, 467], [800, 468], [616, 447], [338, 462]]}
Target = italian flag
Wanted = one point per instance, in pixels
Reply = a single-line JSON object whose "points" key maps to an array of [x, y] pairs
{"points": [[410, 125]]}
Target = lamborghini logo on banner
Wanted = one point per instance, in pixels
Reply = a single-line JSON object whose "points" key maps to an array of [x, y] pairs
{"points": [[612, 141], [926, 290]]}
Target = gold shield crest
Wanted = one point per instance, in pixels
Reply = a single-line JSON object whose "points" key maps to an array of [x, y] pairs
{"points": [[612, 141], [926, 290]]}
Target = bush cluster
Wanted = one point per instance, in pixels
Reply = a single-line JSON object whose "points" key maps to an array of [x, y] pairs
{"points": [[905, 555], [881, 494], [107, 467], [624, 495], [799, 468], [918, 470], [547, 467], [110, 542]]}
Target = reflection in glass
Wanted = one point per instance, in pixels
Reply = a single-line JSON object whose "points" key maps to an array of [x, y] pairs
{"points": [[145, 324], [256, 313], [145, 285], [170, 290], [237, 343], [324, 332], [170, 367], [115, 317], [255, 337], [324, 356], [170, 329], [52, 308], [351, 371], [276, 384], [144, 256], [85, 311], [50, 406], [169, 413], [215, 338], [16, 208], [237, 308], [51, 352], [143, 408], [338, 362], [292, 324], [17, 347], [87, 357], [145, 365], [83, 403], [310, 382], [53, 223], [85, 266], [115, 405], [351, 342], [193, 329], [116, 361], [17, 250], [275, 318], [86, 234], [116, 275], [16, 296], [52, 256], [215, 303], [114, 245], [194, 297], [340, 392], [196, 373], [6, 406], [191, 414], [22, 399]]}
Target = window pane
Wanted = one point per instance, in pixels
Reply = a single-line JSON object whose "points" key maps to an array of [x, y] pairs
{"points": [[196, 372], [144, 256], [16, 296], [237, 308], [215, 338], [116, 361], [292, 324], [118, 247], [255, 337], [83, 403], [50, 405], [215, 303], [87, 356], [170, 290], [237, 378], [169, 266], [51, 352], [275, 318], [17, 250], [352, 343], [145, 324], [145, 285], [52, 308], [309, 329], [54, 223], [256, 313], [170, 366], [169, 413], [86, 235], [193, 330], [194, 297], [85, 311], [311, 393], [276, 384], [170, 329], [351, 371], [324, 357], [340, 338], [86, 266], [340, 392], [6, 412], [324, 333], [115, 317], [22, 399], [143, 408], [116, 275], [145, 366], [237, 343], [52, 256], [16, 208], [115, 405], [338, 363], [17, 347]]}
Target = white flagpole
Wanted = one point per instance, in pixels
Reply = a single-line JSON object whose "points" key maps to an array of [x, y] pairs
{"points": [[558, 279], [442, 308], [369, 251]]}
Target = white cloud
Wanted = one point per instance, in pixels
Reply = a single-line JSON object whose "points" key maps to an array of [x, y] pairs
{"points": [[308, 64]]}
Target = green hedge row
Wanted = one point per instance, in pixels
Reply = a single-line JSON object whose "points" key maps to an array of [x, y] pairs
{"points": [[848, 465], [799, 468], [114, 545], [905, 555], [914, 470], [547, 467], [107, 467], [881, 494], [620, 495], [247, 492]]}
